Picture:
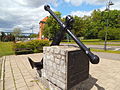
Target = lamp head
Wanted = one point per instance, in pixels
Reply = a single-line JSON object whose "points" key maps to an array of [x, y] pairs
{"points": [[110, 3]]}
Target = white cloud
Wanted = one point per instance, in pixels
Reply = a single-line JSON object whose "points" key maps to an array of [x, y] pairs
{"points": [[79, 2], [92, 2], [88, 13], [116, 6], [34, 3], [81, 13], [22, 13], [28, 13], [67, 0]]}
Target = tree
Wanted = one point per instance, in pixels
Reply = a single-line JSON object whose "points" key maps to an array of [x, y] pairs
{"points": [[99, 20], [33, 35], [51, 26], [6, 38], [78, 26], [112, 34], [90, 27], [16, 32], [88, 32], [2, 35]]}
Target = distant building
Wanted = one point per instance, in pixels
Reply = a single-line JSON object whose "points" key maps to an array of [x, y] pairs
{"points": [[41, 28]]}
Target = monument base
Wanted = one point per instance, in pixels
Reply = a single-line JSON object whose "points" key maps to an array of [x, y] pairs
{"points": [[64, 67]]}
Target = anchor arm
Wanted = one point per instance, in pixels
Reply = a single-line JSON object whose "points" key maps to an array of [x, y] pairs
{"points": [[94, 59]]}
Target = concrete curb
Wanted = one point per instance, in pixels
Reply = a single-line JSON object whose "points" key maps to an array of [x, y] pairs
{"points": [[2, 73]]}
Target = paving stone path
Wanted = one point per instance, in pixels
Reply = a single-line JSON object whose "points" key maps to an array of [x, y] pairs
{"points": [[18, 75]]}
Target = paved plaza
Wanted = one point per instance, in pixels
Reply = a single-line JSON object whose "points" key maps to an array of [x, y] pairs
{"points": [[17, 74]]}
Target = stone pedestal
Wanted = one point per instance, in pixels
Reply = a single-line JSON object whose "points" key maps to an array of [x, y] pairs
{"points": [[64, 67]]}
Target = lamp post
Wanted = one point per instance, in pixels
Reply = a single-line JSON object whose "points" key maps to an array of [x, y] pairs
{"points": [[32, 28], [107, 9]]}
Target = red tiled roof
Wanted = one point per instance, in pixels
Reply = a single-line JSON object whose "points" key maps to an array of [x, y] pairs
{"points": [[43, 20]]}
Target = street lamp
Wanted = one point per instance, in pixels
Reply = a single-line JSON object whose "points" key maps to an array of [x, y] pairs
{"points": [[107, 9], [32, 28]]}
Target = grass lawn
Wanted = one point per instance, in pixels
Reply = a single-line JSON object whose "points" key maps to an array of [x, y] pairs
{"points": [[107, 51], [101, 43], [96, 42], [6, 48]]}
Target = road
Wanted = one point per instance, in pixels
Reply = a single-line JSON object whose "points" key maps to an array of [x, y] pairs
{"points": [[110, 56], [115, 48], [104, 55]]}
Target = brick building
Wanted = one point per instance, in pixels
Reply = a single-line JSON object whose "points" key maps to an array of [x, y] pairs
{"points": [[41, 27]]}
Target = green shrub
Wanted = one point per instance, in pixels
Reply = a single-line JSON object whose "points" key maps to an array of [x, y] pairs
{"points": [[33, 46], [20, 45], [37, 45], [21, 51], [33, 35]]}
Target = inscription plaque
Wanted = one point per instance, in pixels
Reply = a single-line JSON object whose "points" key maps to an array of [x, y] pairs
{"points": [[78, 68]]}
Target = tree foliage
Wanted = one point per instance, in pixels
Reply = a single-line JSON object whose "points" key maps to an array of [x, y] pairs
{"points": [[112, 34], [89, 27], [51, 26], [17, 32], [78, 26], [6, 38], [33, 35]]}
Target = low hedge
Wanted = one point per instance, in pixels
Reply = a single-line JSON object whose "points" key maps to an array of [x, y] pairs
{"points": [[24, 52], [33, 46]]}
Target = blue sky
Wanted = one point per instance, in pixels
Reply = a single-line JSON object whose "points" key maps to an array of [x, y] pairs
{"points": [[66, 8], [26, 14]]}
